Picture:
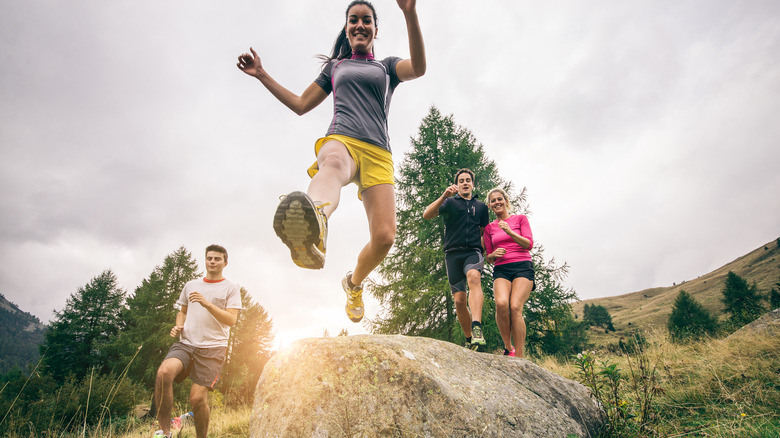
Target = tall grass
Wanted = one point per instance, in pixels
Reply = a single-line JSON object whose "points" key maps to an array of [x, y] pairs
{"points": [[716, 387]]}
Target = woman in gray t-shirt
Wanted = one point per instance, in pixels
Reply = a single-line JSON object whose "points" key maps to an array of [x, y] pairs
{"points": [[356, 147]]}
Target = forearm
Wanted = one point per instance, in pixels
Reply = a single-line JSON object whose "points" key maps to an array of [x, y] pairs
{"points": [[225, 316], [298, 104], [432, 210], [416, 44], [524, 242], [180, 318]]}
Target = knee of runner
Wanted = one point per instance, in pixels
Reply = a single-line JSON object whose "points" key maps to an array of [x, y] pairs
{"points": [[333, 162], [384, 239], [474, 277], [502, 305], [516, 308], [165, 373], [199, 400]]}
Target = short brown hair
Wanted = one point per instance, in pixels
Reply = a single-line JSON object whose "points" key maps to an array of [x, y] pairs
{"points": [[464, 170], [217, 248]]}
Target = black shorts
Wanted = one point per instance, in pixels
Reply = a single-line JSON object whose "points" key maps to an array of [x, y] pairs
{"points": [[202, 365], [460, 262], [511, 271]]}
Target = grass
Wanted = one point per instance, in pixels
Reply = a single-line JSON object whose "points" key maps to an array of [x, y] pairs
{"points": [[717, 388], [713, 388]]}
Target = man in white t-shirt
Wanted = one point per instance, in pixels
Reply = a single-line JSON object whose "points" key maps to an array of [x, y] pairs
{"points": [[208, 307]]}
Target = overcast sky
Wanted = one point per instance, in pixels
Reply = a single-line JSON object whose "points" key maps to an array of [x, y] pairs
{"points": [[646, 133]]}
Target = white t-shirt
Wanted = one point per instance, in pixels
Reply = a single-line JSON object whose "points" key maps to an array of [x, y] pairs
{"points": [[201, 328]]}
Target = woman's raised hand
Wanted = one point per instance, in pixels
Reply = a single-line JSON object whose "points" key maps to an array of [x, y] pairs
{"points": [[250, 64], [407, 5]]}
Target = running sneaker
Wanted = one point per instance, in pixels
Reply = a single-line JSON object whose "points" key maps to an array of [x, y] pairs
{"points": [[303, 227], [476, 336], [510, 353], [354, 305], [161, 434]]}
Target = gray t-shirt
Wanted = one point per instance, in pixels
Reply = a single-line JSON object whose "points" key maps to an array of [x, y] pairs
{"points": [[201, 328], [362, 90]]}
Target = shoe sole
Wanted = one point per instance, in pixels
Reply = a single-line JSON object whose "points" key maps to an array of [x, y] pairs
{"points": [[295, 222], [474, 347], [346, 307]]}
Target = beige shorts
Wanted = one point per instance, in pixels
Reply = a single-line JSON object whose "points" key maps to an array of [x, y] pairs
{"points": [[374, 164]]}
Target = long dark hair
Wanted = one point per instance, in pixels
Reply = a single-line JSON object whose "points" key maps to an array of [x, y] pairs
{"points": [[341, 48]]}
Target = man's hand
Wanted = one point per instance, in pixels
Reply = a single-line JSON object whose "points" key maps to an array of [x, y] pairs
{"points": [[176, 330], [196, 297], [451, 190]]}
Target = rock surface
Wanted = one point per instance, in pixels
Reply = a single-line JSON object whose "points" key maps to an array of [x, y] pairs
{"points": [[768, 325], [387, 386]]}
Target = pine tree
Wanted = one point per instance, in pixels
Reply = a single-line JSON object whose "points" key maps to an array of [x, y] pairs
{"points": [[689, 319], [76, 339], [774, 296], [148, 317], [550, 325], [742, 301], [249, 348], [415, 294], [599, 316]]}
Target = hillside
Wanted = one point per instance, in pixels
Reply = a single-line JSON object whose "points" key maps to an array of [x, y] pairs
{"points": [[20, 335], [650, 308]]}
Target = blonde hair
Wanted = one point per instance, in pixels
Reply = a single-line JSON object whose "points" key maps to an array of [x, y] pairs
{"points": [[503, 193]]}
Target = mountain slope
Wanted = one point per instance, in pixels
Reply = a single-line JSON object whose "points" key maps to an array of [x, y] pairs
{"points": [[20, 335], [650, 308]]}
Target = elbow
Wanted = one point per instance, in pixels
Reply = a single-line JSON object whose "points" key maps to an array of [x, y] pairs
{"points": [[419, 70]]}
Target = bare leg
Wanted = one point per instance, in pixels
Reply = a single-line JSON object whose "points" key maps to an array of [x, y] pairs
{"points": [[199, 399], [501, 290], [379, 202], [336, 169], [521, 290], [476, 297], [464, 315], [163, 391]]}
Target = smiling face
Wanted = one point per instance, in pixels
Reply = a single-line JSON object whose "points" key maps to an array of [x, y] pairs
{"points": [[497, 203], [361, 28]]}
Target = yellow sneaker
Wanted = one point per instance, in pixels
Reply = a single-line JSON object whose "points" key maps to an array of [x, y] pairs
{"points": [[303, 227], [354, 305]]}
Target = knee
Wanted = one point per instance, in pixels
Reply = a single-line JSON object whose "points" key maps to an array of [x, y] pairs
{"points": [[164, 373], [502, 305], [516, 309], [199, 400], [384, 238], [474, 278], [332, 162], [460, 299]]}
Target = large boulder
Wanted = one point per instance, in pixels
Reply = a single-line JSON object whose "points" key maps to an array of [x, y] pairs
{"points": [[375, 385], [767, 325]]}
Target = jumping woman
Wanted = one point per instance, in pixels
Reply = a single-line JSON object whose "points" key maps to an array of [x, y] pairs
{"points": [[356, 147]]}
